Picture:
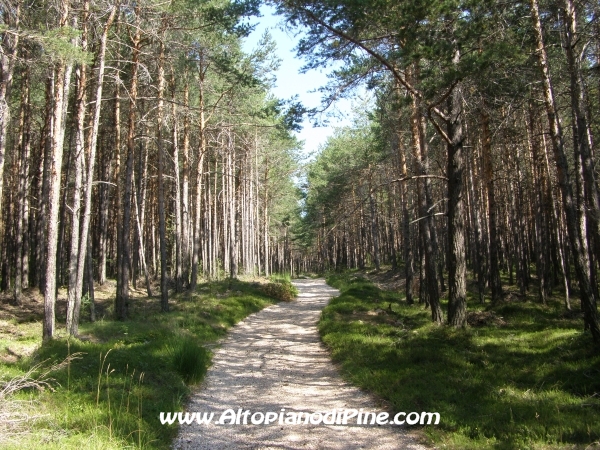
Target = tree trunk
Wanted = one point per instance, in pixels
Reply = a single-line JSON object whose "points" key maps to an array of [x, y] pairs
{"points": [[374, 232], [22, 212], [542, 236], [73, 296], [580, 256], [42, 216], [478, 260], [408, 254], [581, 129], [185, 199], [139, 220], [177, 200], [164, 292], [90, 281], [587, 184], [457, 266], [118, 197], [61, 94], [8, 53], [199, 178], [429, 285], [123, 248], [234, 180], [486, 149]]}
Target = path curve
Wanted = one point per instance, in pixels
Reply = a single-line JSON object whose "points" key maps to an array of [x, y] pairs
{"points": [[272, 360]]}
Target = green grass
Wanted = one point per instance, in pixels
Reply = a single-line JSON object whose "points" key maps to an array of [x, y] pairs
{"points": [[530, 382], [128, 372], [280, 278], [280, 288], [190, 360]]}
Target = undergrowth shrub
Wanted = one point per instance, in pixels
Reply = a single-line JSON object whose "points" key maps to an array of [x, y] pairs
{"points": [[281, 289], [190, 360]]}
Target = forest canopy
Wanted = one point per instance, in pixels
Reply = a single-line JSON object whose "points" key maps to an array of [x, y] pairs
{"points": [[138, 141], [478, 160]]}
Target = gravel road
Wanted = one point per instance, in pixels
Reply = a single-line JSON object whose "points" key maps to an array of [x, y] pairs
{"points": [[274, 360]]}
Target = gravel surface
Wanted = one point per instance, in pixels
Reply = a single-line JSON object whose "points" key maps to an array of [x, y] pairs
{"points": [[274, 360]]}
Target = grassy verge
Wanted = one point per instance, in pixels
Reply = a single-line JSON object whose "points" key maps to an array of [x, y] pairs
{"points": [[523, 376], [125, 373]]}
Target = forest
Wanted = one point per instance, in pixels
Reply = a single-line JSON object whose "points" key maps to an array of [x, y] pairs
{"points": [[138, 142], [477, 157], [144, 160]]}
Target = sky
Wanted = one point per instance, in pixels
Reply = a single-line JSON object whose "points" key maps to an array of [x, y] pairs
{"points": [[291, 82]]}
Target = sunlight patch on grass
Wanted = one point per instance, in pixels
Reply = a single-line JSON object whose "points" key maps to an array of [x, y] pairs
{"points": [[531, 382], [130, 371]]}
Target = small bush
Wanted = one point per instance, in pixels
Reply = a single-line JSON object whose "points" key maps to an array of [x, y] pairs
{"points": [[281, 290], [190, 360]]}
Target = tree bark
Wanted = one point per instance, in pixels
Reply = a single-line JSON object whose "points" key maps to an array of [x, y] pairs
{"points": [[429, 285], [123, 247], [541, 235], [488, 170], [185, 199], [91, 146], [199, 178], [582, 133], [61, 93], [10, 45], [117, 175], [42, 216], [374, 231], [177, 200], [457, 266], [580, 256], [23, 210], [139, 209], [164, 292], [408, 253], [73, 296]]}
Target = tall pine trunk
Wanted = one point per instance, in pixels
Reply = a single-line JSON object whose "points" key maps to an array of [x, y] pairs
{"points": [[123, 247], [8, 53], [199, 178], [177, 194], [164, 293], [185, 188], [22, 211], [457, 264], [406, 241], [62, 75], [429, 285], [488, 172], [580, 256], [80, 110], [83, 258]]}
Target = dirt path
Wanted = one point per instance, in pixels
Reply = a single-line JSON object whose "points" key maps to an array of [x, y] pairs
{"points": [[273, 360]]}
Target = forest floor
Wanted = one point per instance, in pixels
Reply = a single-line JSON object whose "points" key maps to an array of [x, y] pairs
{"points": [[118, 375], [390, 280], [274, 361], [521, 375]]}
